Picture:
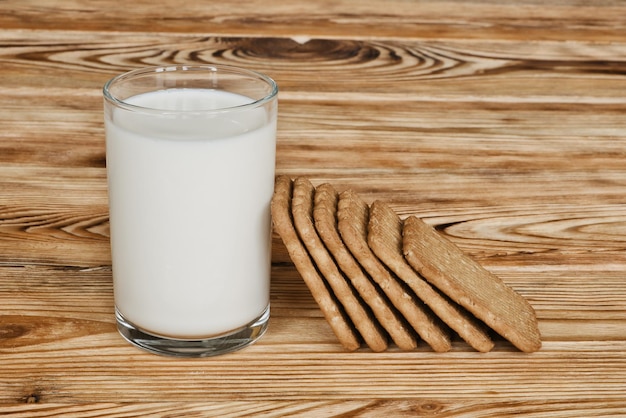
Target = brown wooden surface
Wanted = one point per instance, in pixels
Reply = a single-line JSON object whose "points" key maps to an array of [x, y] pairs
{"points": [[503, 123]]}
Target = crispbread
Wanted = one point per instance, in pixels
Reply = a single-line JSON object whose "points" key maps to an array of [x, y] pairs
{"points": [[466, 282], [283, 224], [385, 239], [357, 310], [325, 215], [353, 214]]}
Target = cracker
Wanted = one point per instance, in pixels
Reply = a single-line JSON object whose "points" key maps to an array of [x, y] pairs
{"points": [[325, 216], [469, 284], [359, 313], [353, 215], [385, 239], [283, 224]]}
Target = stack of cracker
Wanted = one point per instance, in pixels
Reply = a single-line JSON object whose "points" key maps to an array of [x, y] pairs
{"points": [[381, 280]]}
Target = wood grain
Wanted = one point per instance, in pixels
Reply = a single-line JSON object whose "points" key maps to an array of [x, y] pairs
{"points": [[563, 20], [363, 409], [500, 123]]}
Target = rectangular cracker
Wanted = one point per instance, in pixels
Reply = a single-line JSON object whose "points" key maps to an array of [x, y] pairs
{"points": [[331, 309], [353, 215], [325, 216], [384, 236], [466, 282], [357, 310]]}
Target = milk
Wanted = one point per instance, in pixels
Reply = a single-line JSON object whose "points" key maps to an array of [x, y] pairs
{"points": [[190, 212]]}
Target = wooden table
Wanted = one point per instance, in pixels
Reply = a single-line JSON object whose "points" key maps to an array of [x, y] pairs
{"points": [[503, 123]]}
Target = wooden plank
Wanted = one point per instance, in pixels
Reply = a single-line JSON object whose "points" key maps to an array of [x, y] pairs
{"points": [[65, 371], [403, 408], [445, 70], [528, 19], [66, 314]]}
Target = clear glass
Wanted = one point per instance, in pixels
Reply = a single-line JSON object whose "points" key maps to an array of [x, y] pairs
{"points": [[190, 167]]}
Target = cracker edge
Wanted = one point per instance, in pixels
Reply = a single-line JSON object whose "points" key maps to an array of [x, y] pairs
{"points": [[354, 235], [392, 321], [302, 205], [385, 240], [283, 224]]}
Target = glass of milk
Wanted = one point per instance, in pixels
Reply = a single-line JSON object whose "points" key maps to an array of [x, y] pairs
{"points": [[190, 153]]}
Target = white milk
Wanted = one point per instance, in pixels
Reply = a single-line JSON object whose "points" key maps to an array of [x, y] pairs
{"points": [[190, 213]]}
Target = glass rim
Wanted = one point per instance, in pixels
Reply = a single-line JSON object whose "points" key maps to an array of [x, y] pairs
{"points": [[110, 97]]}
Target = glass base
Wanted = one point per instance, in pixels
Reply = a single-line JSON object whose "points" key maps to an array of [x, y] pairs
{"points": [[213, 346]]}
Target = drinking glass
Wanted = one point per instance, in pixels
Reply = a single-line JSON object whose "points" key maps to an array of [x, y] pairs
{"points": [[190, 152]]}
